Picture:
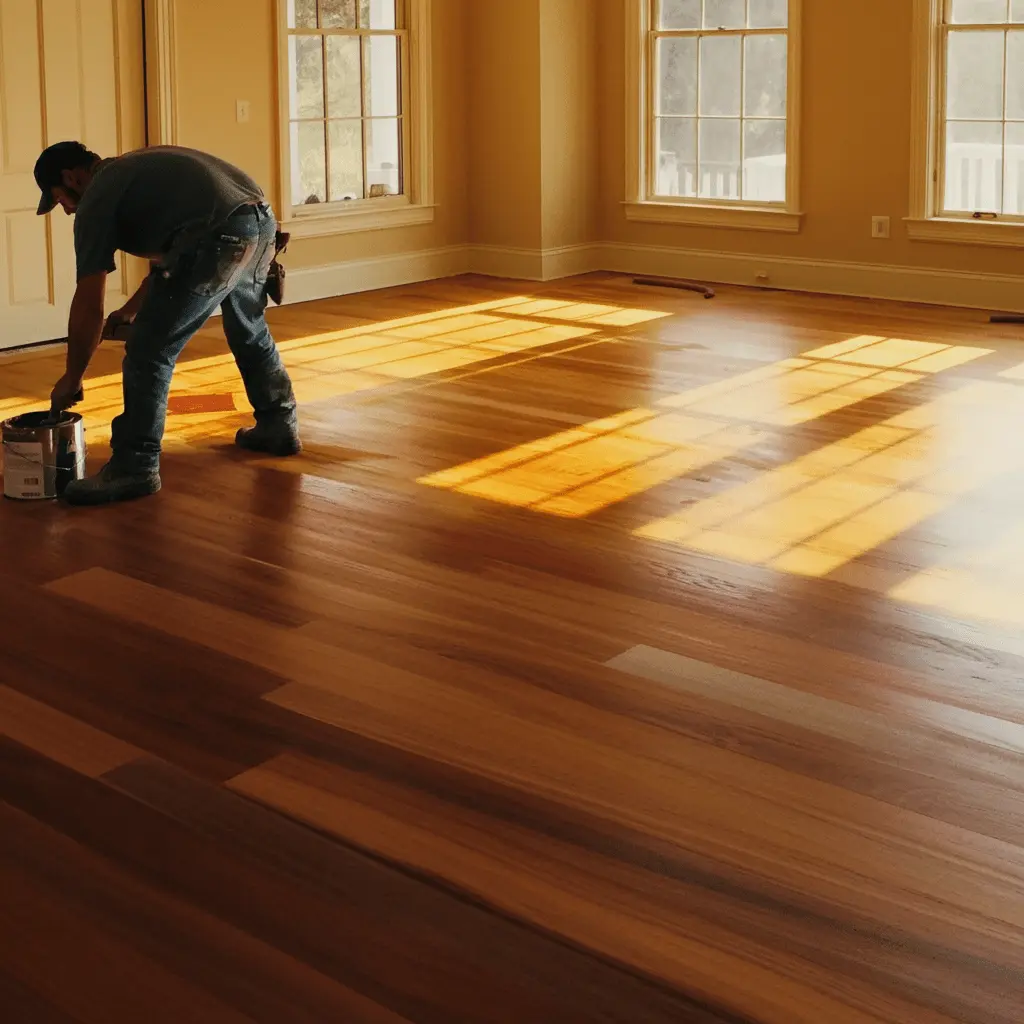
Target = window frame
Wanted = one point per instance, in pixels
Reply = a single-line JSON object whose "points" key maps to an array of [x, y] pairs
{"points": [[416, 204], [640, 204], [927, 220]]}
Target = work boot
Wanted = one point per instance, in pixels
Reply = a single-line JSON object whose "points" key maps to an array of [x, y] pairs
{"points": [[112, 484], [272, 437]]}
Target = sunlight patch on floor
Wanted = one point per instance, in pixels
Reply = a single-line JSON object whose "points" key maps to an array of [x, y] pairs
{"points": [[821, 511], [579, 472], [334, 364]]}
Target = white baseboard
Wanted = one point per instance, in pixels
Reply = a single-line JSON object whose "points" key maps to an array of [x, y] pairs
{"points": [[831, 277], [534, 264], [311, 283], [495, 261], [571, 260]]}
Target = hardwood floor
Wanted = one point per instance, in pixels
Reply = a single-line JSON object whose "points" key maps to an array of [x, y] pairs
{"points": [[609, 655]]}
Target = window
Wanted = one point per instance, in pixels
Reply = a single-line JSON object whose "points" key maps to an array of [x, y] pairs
{"points": [[983, 122], [717, 87], [969, 121], [354, 114]]}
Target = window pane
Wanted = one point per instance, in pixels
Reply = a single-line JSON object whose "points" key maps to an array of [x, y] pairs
{"points": [[302, 13], [676, 155], [978, 12], [1013, 195], [343, 98], [384, 157], [306, 58], [676, 14], [974, 86], [346, 160], [974, 166], [338, 13], [381, 80], [309, 164], [677, 76], [765, 76], [724, 13], [719, 159], [1015, 76], [377, 14], [767, 13], [764, 161], [720, 76]]}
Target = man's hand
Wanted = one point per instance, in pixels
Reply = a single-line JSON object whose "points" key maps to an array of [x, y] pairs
{"points": [[66, 393], [123, 317], [117, 321]]}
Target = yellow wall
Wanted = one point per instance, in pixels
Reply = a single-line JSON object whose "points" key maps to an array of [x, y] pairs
{"points": [[569, 123], [212, 74], [530, 130], [855, 159], [504, 168]]}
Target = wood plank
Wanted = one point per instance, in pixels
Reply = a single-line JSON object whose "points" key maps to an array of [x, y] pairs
{"points": [[61, 737]]}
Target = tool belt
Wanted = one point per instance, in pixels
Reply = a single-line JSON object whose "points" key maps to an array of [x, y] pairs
{"points": [[276, 275], [177, 260]]}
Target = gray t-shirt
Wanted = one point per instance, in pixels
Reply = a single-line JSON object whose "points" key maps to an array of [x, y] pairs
{"points": [[143, 202]]}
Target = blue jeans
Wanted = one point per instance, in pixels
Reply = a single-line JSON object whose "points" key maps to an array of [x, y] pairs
{"points": [[227, 268]]}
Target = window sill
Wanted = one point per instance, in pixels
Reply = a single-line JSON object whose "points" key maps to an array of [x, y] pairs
{"points": [[318, 225], [747, 218], [966, 232]]}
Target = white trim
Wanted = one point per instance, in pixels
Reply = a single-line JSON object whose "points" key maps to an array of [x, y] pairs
{"points": [[417, 205], [1009, 234], [831, 277], [749, 218], [161, 72], [499, 261], [640, 205], [534, 264], [925, 88], [361, 219], [313, 283]]}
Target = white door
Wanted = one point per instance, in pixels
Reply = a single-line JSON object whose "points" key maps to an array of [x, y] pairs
{"points": [[69, 69]]}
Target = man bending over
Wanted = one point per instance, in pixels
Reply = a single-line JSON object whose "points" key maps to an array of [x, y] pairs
{"points": [[210, 237]]}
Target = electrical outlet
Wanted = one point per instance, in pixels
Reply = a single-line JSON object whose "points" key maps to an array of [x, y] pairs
{"points": [[879, 227], [242, 111]]}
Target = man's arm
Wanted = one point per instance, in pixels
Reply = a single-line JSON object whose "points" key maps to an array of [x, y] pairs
{"points": [[85, 325]]}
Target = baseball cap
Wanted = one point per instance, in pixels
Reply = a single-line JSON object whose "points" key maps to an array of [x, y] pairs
{"points": [[62, 156]]}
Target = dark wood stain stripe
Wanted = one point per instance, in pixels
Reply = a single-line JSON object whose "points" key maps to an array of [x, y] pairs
{"points": [[264, 984], [321, 903], [597, 891]]}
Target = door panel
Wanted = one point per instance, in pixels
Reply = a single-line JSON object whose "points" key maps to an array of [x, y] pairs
{"points": [[67, 71]]}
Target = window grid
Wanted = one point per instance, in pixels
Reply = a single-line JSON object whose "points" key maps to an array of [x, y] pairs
{"points": [[400, 34], [1012, 24], [655, 35]]}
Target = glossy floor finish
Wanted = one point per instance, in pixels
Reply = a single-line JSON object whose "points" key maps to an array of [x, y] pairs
{"points": [[610, 655]]}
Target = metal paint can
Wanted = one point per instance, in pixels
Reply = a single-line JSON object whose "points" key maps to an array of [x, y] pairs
{"points": [[41, 456]]}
